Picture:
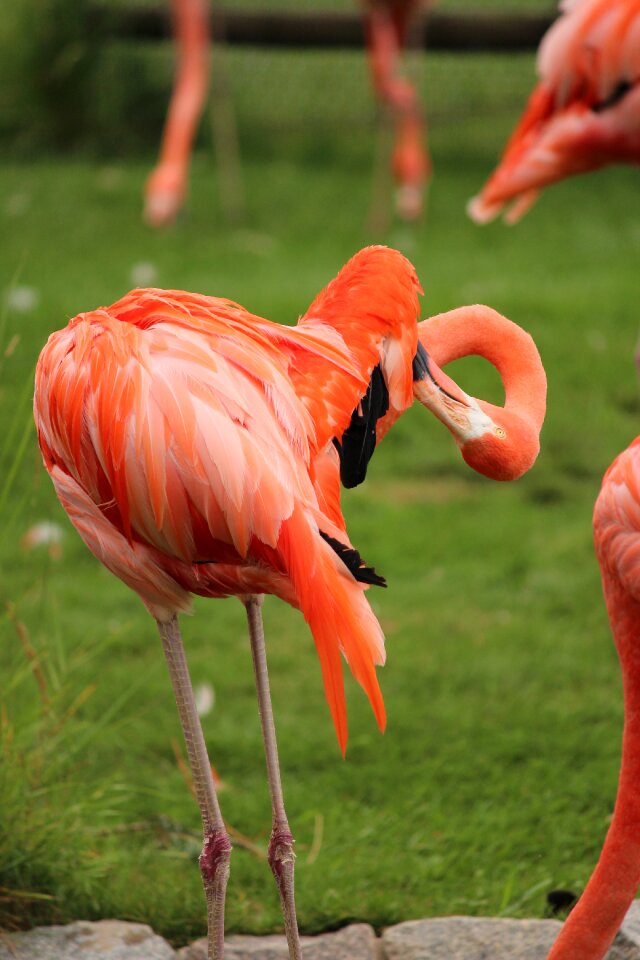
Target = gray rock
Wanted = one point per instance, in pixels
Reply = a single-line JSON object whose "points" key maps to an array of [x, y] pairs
{"points": [[356, 942], [630, 928], [469, 938], [104, 940], [623, 949]]}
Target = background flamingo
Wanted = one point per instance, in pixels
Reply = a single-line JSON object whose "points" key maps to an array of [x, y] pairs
{"points": [[197, 449], [594, 921], [387, 25], [166, 187], [583, 114]]}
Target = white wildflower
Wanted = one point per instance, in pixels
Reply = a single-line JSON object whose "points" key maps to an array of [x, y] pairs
{"points": [[44, 534], [144, 274], [205, 699], [22, 299], [17, 204]]}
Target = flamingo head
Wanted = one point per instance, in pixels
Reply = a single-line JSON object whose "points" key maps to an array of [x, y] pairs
{"points": [[503, 445], [496, 442], [553, 143]]}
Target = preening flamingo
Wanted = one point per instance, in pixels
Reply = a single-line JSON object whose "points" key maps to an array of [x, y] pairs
{"points": [[199, 449], [583, 114], [386, 26], [166, 188], [594, 921]]}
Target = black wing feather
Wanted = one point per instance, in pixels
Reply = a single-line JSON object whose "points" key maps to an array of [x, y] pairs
{"points": [[359, 439], [614, 97], [354, 562]]}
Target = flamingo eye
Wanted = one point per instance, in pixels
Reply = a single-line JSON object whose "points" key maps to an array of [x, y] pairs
{"points": [[500, 433]]}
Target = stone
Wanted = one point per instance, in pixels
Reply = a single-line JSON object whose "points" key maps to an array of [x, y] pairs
{"points": [[103, 940], [355, 942], [630, 928], [469, 938], [623, 949]]}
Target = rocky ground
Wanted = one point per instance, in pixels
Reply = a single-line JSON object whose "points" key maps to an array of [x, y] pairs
{"points": [[447, 938]]}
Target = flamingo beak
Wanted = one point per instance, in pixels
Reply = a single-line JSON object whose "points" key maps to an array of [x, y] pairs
{"points": [[460, 413]]}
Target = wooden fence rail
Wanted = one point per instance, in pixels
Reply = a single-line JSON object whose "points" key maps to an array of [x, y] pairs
{"points": [[471, 32]]}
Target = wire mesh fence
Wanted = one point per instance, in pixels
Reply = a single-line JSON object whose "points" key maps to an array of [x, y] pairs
{"points": [[315, 94], [111, 93]]}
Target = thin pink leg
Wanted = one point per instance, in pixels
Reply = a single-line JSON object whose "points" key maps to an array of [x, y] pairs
{"points": [[216, 849], [281, 855]]}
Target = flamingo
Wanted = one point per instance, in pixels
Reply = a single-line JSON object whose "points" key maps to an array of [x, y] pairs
{"points": [[583, 114], [199, 449], [386, 26], [594, 921], [166, 186]]}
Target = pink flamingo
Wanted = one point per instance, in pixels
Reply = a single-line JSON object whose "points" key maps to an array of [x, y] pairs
{"points": [[166, 187], [199, 449], [583, 114]]}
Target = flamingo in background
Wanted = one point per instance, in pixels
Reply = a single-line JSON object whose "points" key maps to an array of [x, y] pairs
{"points": [[166, 187], [594, 921], [583, 114], [199, 449], [386, 27]]}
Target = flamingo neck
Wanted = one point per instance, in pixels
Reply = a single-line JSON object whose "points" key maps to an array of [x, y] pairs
{"points": [[480, 331], [594, 921]]}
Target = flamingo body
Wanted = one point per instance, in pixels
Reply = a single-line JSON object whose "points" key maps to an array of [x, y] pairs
{"points": [[200, 449], [583, 114]]}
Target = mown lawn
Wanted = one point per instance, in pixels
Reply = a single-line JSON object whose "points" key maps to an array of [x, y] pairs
{"points": [[496, 777]]}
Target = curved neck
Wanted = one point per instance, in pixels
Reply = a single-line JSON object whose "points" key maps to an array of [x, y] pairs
{"points": [[592, 924], [480, 331]]}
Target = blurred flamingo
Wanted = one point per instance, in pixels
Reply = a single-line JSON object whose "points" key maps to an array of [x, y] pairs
{"points": [[166, 187], [199, 449], [386, 25], [583, 114]]}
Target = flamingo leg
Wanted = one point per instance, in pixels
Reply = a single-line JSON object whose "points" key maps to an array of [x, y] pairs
{"points": [[216, 849], [379, 211], [281, 856]]}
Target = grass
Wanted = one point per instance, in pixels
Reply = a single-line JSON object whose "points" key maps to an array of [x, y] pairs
{"points": [[496, 777]]}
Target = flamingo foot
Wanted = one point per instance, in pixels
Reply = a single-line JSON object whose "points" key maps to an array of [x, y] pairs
{"points": [[409, 200], [214, 866], [282, 862]]}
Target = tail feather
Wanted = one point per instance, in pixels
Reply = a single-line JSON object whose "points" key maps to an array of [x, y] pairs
{"points": [[341, 620]]}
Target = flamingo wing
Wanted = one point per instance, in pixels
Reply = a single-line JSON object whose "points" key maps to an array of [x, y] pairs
{"points": [[194, 441]]}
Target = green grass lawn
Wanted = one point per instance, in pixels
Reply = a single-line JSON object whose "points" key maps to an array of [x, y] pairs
{"points": [[496, 777]]}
